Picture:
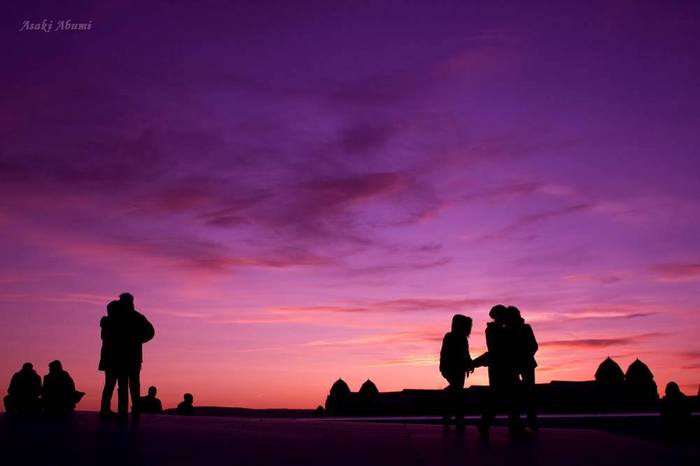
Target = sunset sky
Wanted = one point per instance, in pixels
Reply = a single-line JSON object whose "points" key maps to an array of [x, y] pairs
{"points": [[300, 191]]}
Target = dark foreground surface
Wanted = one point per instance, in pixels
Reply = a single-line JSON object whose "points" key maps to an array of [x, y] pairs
{"points": [[171, 440]]}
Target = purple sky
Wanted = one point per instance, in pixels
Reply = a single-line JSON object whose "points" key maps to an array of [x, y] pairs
{"points": [[296, 191]]}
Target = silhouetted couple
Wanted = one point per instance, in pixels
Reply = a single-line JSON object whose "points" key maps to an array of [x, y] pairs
{"points": [[511, 365], [124, 331], [56, 396]]}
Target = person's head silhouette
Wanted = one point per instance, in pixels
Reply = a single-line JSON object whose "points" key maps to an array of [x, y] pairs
{"points": [[27, 367], [461, 325], [498, 313], [127, 300], [112, 308], [189, 399], [55, 366], [152, 391], [672, 389], [512, 316]]}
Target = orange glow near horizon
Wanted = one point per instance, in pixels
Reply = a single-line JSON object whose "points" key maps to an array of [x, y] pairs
{"points": [[299, 193]]}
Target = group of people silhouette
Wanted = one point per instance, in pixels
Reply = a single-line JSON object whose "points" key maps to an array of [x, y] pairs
{"points": [[124, 330], [28, 395], [510, 358]]}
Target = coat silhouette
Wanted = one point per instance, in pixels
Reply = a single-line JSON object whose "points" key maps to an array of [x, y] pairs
{"points": [[123, 331], [58, 394], [455, 362], [24, 391], [501, 360]]}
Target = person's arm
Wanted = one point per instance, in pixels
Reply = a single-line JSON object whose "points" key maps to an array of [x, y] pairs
{"points": [[443, 355], [70, 383], [533, 346], [147, 330]]}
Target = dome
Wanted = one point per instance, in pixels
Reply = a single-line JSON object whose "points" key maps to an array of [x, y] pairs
{"points": [[609, 372], [340, 388], [369, 388], [638, 371]]}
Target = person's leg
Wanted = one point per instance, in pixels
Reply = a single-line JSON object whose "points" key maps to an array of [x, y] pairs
{"points": [[107, 391], [529, 396], [488, 404], [512, 393], [457, 385], [123, 393], [135, 389]]}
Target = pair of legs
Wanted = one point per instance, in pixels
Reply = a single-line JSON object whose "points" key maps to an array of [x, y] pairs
{"points": [[455, 399], [129, 382], [502, 394], [527, 379]]}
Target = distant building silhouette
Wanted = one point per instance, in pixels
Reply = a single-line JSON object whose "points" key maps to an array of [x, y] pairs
{"points": [[367, 397], [611, 390], [338, 402], [368, 389], [609, 373], [640, 388]]}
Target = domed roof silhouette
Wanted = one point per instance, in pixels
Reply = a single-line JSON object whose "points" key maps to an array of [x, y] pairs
{"points": [[340, 388], [369, 388], [638, 371], [609, 372]]}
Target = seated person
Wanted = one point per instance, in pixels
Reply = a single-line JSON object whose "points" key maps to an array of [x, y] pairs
{"points": [[149, 404], [675, 410], [58, 393], [185, 407], [23, 392]]}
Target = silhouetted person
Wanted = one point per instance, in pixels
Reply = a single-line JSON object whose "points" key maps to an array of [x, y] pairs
{"points": [[455, 362], [149, 404], [185, 407], [501, 369], [524, 347], [123, 332], [675, 412], [24, 391], [108, 356], [58, 394]]}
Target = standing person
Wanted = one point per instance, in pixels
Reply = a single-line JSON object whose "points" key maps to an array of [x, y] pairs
{"points": [[109, 326], [455, 362], [524, 348], [133, 331], [501, 370]]}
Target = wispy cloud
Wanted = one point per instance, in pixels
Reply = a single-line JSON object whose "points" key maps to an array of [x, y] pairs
{"points": [[584, 343], [677, 271]]}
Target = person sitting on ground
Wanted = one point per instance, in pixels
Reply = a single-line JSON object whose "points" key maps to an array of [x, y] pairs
{"points": [[58, 393], [23, 392], [455, 362], [149, 404], [185, 408], [675, 411]]}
